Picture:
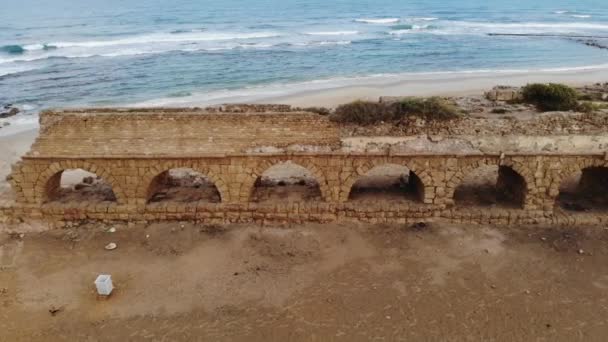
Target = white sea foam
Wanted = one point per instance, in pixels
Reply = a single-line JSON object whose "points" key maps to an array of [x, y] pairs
{"points": [[15, 69], [324, 43], [580, 16], [413, 29], [19, 123], [378, 21], [424, 19], [340, 42], [167, 38], [332, 33], [560, 12], [535, 25], [468, 27]]}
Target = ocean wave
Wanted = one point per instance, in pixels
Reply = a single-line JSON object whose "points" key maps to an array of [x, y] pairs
{"points": [[332, 33], [424, 19], [323, 43], [573, 14], [483, 28], [12, 49], [168, 38], [537, 25], [406, 29], [16, 69], [194, 40], [378, 21], [134, 51]]}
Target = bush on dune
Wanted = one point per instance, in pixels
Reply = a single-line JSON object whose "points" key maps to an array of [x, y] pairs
{"points": [[316, 110], [368, 113], [363, 113], [551, 97], [432, 108]]}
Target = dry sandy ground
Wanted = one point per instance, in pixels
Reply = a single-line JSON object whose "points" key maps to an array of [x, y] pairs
{"points": [[307, 283]]}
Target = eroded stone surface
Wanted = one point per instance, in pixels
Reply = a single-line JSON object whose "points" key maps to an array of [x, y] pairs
{"points": [[129, 149]]}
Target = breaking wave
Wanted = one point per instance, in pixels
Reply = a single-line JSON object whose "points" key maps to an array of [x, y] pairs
{"points": [[404, 29], [378, 21], [332, 33], [167, 38], [15, 69], [424, 19]]}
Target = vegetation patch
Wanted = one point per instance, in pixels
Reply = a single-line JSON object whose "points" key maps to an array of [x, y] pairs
{"points": [[551, 97], [316, 110], [368, 113], [500, 111]]}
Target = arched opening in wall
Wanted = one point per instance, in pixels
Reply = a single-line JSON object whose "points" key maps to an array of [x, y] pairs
{"points": [[182, 185], [491, 186], [76, 186], [286, 182], [389, 182], [586, 190]]}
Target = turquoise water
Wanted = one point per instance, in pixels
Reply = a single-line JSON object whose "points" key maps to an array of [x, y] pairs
{"points": [[83, 52]]}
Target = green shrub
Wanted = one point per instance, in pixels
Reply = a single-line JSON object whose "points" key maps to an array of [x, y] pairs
{"points": [[368, 113], [588, 107], [432, 108], [499, 111], [587, 97], [363, 113], [317, 110], [550, 97]]}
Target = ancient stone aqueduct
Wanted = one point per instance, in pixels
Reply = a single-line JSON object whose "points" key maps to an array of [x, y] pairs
{"points": [[132, 149]]}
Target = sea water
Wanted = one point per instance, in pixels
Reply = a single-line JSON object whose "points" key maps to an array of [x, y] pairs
{"points": [[123, 52]]}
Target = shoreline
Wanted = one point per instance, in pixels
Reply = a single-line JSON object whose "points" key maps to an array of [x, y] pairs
{"points": [[333, 92]]}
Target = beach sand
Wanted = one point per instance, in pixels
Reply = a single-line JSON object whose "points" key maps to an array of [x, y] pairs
{"points": [[457, 84], [12, 147], [331, 93]]}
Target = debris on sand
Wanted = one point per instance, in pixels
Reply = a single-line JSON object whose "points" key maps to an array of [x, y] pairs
{"points": [[111, 246], [419, 226], [54, 311], [104, 285]]}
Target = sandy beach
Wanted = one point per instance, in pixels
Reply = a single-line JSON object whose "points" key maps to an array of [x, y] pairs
{"points": [[331, 93], [13, 147]]}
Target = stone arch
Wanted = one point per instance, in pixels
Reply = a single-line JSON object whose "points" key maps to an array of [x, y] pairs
{"points": [[364, 166], [509, 171], [248, 186], [54, 171], [592, 172], [153, 174]]}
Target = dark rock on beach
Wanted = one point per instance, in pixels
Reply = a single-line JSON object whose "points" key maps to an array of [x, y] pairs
{"points": [[8, 111]]}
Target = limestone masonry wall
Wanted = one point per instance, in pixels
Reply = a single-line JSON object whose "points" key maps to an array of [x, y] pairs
{"points": [[129, 150]]}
